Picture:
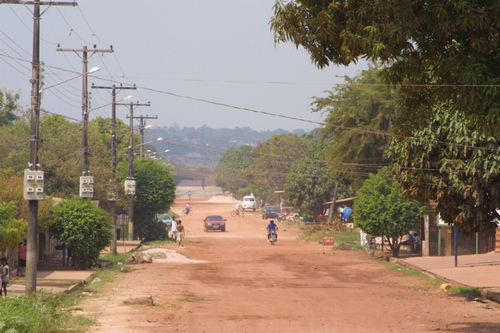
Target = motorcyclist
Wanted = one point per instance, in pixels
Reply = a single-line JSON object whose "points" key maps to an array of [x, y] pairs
{"points": [[272, 227]]}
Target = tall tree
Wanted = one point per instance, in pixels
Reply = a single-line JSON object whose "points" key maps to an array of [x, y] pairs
{"points": [[381, 210], [309, 183], [437, 51], [9, 105], [271, 162], [155, 193], [230, 171], [456, 166], [358, 126]]}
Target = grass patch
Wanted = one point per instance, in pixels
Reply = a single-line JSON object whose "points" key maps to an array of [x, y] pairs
{"points": [[40, 313], [344, 240], [468, 292]]}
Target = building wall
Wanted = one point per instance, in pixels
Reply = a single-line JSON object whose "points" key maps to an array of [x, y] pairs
{"points": [[466, 244]]}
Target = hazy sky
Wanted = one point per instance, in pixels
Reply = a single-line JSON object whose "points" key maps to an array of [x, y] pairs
{"points": [[218, 50]]}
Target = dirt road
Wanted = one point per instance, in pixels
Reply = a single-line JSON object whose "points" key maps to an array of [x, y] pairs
{"points": [[243, 284]]}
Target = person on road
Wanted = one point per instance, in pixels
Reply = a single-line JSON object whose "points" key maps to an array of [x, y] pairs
{"points": [[188, 208], [5, 276], [180, 233], [173, 231], [272, 227], [22, 259], [189, 195]]}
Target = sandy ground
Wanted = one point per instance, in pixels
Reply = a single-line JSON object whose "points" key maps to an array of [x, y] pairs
{"points": [[235, 281]]}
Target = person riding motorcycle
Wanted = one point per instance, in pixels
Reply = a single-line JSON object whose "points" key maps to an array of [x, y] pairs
{"points": [[272, 227]]}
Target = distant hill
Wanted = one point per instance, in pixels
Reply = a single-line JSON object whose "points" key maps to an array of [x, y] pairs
{"points": [[203, 147]]}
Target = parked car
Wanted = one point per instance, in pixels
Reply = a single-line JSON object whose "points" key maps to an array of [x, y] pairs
{"points": [[249, 202], [270, 212], [165, 219], [214, 222]]}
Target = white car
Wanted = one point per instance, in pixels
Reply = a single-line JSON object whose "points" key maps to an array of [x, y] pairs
{"points": [[249, 202]]}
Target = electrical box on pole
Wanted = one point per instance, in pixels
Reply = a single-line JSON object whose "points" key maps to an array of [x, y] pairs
{"points": [[130, 186], [33, 184], [86, 186]]}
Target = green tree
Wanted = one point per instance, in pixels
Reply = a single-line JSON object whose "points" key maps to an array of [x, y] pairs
{"points": [[82, 227], [9, 105], [230, 171], [271, 162], [452, 163], [381, 209], [438, 51], [155, 193], [358, 126], [60, 155], [309, 183], [14, 146], [12, 230]]}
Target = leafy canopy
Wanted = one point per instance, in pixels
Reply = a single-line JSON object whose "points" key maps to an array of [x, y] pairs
{"points": [[82, 227], [453, 164], [155, 193], [12, 230], [446, 50], [358, 126], [309, 184], [381, 209]]}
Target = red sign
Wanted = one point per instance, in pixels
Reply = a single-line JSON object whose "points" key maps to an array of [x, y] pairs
{"points": [[328, 241]]}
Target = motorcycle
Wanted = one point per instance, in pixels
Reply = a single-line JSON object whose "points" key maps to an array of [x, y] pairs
{"points": [[273, 237]]}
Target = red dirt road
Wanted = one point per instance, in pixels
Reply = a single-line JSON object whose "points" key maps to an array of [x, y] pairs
{"points": [[247, 285]]}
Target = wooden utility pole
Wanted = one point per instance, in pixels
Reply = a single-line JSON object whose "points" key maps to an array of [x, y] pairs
{"points": [[112, 191], [142, 126], [31, 250], [131, 178], [85, 101]]}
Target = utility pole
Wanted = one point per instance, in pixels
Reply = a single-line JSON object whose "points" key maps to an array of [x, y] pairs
{"points": [[142, 126], [130, 182], [34, 167], [86, 179], [112, 192]]}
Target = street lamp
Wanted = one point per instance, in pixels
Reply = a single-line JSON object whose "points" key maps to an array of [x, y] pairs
{"points": [[92, 70]]}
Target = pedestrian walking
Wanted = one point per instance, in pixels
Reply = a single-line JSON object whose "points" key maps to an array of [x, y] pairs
{"points": [[5, 276], [174, 230], [180, 233], [21, 266]]}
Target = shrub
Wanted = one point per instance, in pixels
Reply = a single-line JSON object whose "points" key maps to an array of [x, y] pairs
{"points": [[83, 228]]}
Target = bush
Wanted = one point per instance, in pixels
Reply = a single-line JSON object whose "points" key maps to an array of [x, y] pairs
{"points": [[83, 228]]}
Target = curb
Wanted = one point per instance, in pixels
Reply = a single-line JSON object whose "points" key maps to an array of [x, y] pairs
{"points": [[491, 294]]}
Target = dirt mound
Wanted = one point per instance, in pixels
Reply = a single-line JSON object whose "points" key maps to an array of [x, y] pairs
{"points": [[166, 255]]}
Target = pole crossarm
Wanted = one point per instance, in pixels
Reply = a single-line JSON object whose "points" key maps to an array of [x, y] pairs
{"points": [[41, 3]]}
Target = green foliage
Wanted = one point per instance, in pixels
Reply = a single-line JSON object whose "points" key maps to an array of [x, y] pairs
{"points": [[14, 147], [37, 314], [358, 126], [271, 162], [155, 193], [82, 227], [438, 50], [60, 155], [230, 171], [12, 230], [381, 210], [451, 163], [9, 104], [308, 184]]}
